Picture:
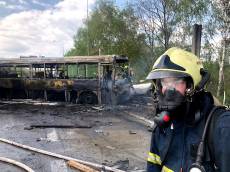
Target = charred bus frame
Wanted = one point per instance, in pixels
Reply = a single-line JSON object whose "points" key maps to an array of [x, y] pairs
{"points": [[80, 79]]}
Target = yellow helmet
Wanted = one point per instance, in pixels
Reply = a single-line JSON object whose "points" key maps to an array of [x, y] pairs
{"points": [[176, 62]]}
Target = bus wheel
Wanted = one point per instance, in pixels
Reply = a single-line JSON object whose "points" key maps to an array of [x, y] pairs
{"points": [[88, 98]]}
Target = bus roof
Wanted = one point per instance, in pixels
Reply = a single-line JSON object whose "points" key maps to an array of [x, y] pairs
{"points": [[69, 59]]}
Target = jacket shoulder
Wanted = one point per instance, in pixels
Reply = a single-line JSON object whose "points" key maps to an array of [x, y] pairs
{"points": [[223, 120]]}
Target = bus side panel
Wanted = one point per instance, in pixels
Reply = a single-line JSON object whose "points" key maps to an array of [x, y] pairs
{"points": [[85, 84]]}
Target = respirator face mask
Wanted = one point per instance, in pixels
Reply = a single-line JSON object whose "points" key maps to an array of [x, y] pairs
{"points": [[171, 98]]}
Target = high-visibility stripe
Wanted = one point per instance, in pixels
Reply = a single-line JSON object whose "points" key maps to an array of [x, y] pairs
{"points": [[154, 158], [166, 169]]}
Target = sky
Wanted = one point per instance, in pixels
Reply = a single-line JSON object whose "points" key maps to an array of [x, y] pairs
{"points": [[40, 27]]}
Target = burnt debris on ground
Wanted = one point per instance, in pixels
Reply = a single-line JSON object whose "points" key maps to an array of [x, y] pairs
{"points": [[103, 134]]}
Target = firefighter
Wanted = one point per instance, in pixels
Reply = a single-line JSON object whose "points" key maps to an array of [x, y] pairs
{"points": [[181, 140]]}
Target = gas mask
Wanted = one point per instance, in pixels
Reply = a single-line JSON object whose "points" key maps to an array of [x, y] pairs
{"points": [[170, 102]]}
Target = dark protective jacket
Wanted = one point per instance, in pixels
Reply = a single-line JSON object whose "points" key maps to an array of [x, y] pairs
{"points": [[173, 149]]}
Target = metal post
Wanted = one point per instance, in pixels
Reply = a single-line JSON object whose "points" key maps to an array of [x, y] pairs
{"points": [[77, 70], [99, 84], [64, 69], [196, 39], [86, 70], [67, 96], [85, 73], [20, 71], [44, 70], [45, 95], [67, 71], [113, 93], [31, 71]]}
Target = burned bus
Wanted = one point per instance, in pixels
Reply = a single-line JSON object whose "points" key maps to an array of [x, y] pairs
{"points": [[77, 79]]}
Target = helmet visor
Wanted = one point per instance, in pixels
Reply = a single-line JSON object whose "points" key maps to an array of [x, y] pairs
{"points": [[165, 74], [171, 82]]}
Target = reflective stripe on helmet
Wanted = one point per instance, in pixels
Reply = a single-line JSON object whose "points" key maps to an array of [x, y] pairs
{"points": [[166, 63]]}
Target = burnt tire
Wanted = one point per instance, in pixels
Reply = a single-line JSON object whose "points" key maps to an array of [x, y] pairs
{"points": [[88, 98]]}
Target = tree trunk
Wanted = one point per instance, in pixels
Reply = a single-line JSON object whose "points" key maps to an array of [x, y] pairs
{"points": [[221, 69]]}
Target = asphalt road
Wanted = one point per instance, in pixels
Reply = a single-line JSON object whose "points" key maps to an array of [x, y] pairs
{"points": [[112, 139]]}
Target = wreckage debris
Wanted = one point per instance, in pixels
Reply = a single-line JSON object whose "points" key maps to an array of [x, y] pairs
{"points": [[95, 120], [104, 79], [81, 167], [121, 164], [132, 132], [59, 126]]}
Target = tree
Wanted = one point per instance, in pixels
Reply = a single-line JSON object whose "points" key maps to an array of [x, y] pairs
{"points": [[168, 22], [221, 9], [155, 18], [109, 31]]}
